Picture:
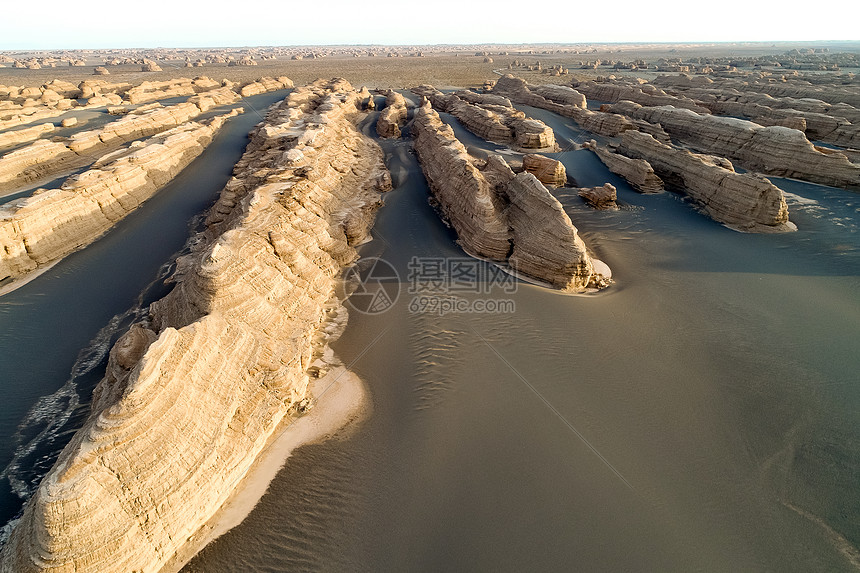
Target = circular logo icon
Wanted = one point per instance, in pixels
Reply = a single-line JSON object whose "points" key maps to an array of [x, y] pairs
{"points": [[374, 285]]}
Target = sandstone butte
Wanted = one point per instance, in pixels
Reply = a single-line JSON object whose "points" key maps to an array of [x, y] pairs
{"points": [[51, 223], [491, 121], [773, 150], [393, 117], [510, 219], [637, 172], [221, 359], [745, 201]]}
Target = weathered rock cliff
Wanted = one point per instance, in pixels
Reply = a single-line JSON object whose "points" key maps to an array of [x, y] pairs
{"points": [[744, 201], [510, 219], [549, 171], [192, 394], [52, 223]]}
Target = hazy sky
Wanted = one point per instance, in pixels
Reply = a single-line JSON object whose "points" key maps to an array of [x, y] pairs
{"points": [[63, 24]]}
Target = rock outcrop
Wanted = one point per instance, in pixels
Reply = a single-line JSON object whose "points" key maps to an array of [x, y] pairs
{"points": [[497, 123], [637, 172], [549, 171], [511, 219], [193, 393], [643, 94], [744, 201], [9, 138], [264, 85], [393, 116], [600, 197], [556, 101], [773, 150], [52, 223]]}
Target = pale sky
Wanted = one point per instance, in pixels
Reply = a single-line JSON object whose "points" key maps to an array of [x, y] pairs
{"points": [[52, 24]]}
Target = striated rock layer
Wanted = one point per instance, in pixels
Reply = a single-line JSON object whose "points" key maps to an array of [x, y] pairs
{"points": [[489, 118], [505, 217], [549, 171], [637, 172], [192, 394], [744, 201], [52, 223], [774, 150]]}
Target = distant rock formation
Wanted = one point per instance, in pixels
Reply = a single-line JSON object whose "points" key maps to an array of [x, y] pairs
{"points": [[637, 172], [507, 218], [264, 85], [772, 150], [393, 116], [549, 171], [600, 197], [52, 223], [193, 392], [744, 201], [557, 100], [643, 94], [491, 121]]}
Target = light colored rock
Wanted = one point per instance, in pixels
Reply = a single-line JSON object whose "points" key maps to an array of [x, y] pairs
{"points": [[773, 150], [643, 94], [69, 122], [52, 223], [507, 218], [519, 91], [600, 197], [264, 85], [393, 116], [101, 71], [497, 123], [150, 67], [8, 138], [744, 201], [549, 171], [637, 172], [220, 361]]}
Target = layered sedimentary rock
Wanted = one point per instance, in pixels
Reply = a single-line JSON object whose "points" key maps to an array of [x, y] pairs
{"points": [[392, 118], [498, 123], [745, 201], [264, 85], [193, 393], [555, 100], [774, 150], [9, 138], [643, 94], [52, 223], [637, 172], [600, 197], [508, 218], [549, 171], [152, 91]]}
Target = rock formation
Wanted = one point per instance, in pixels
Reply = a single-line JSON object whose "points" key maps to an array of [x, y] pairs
{"points": [[507, 218], [744, 201], [600, 197], [193, 393], [9, 138], [52, 223], [608, 124], [643, 94], [497, 123], [264, 85], [773, 150], [393, 116], [549, 171], [637, 172]]}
